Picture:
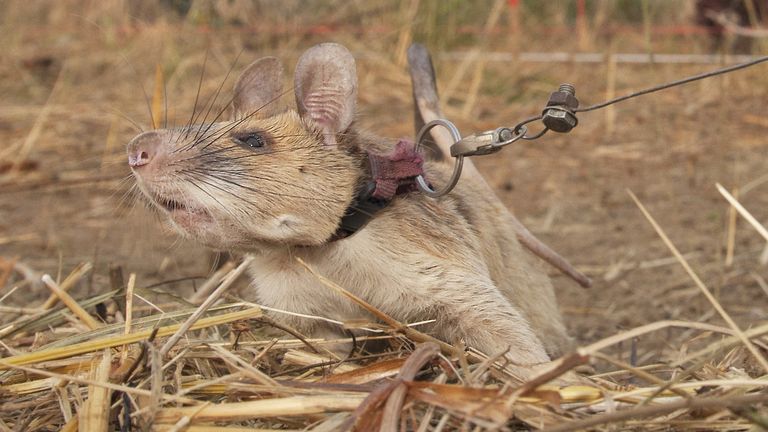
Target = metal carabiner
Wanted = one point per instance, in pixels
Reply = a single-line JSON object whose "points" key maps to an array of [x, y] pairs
{"points": [[488, 142], [458, 164]]}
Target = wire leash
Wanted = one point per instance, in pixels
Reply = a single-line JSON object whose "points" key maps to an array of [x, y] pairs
{"points": [[559, 115]]}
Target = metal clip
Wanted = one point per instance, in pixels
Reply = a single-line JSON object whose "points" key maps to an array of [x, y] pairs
{"points": [[482, 143], [488, 142], [559, 116]]}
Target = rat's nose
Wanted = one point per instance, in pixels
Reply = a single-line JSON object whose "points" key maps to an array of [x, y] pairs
{"points": [[142, 149]]}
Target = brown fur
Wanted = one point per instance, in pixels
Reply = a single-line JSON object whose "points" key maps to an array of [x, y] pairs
{"points": [[455, 259]]}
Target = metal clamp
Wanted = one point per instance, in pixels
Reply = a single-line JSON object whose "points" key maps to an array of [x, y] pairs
{"points": [[488, 142], [559, 116], [478, 144], [458, 164]]}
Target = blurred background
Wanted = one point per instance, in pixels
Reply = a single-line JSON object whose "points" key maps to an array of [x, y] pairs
{"points": [[78, 79]]}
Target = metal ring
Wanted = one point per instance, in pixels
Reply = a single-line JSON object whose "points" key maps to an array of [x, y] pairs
{"points": [[420, 181]]}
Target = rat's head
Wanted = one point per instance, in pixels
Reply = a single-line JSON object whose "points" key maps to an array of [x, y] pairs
{"points": [[268, 177]]}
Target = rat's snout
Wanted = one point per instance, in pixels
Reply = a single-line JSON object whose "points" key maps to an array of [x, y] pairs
{"points": [[143, 149]]}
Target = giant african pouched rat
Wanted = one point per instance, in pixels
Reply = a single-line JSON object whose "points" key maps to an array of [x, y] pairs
{"points": [[278, 184]]}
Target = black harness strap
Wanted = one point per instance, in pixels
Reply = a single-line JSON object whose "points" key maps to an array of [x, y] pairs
{"points": [[391, 175]]}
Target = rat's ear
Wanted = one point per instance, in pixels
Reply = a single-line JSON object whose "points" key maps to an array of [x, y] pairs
{"points": [[326, 88], [259, 88]]}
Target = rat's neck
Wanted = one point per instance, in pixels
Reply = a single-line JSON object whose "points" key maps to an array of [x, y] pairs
{"points": [[388, 175]]}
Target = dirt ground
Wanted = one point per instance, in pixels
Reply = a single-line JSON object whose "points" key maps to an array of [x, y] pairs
{"points": [[70, 91]]}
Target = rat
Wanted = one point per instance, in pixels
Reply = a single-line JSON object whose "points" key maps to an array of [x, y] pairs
{"points": [[279, 183]]}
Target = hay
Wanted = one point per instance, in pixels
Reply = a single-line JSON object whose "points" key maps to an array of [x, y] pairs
{"points": [[218, 372]]}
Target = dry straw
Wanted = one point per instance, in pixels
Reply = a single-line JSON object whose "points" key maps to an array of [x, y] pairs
{"points": [[200, 380]]}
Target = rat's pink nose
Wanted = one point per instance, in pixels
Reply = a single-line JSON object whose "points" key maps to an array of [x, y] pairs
{"points": [[142, 149], [138, 158]]}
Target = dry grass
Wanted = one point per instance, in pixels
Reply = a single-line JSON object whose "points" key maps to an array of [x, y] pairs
{"points": [[668, 341], [217, 370]]}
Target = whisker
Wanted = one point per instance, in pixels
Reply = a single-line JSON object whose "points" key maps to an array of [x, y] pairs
{"points": [[238, 122], [272, 152], [218, 90], [165, 102], [128, 119], [124, 199], [262, 192], [223, 207], [213, 121], [197, 96], [241, 172], [143, 90], [203, 155]]}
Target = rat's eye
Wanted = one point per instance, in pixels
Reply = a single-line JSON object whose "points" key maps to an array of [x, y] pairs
{"points": [[250, 139]]}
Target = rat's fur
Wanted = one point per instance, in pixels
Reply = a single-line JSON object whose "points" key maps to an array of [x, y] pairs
{"points": [[455, 259]]}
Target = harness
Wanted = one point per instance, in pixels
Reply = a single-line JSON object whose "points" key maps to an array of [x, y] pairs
{"points": [[390, 175]]}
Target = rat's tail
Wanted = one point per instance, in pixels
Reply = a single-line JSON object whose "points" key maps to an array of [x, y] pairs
{"points": [[426, 109], [426, 102]]}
